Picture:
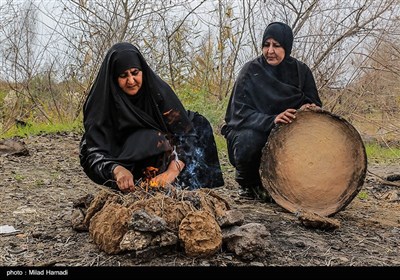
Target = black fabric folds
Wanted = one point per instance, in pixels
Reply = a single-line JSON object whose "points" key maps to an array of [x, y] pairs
{"points": [[262, 91]]}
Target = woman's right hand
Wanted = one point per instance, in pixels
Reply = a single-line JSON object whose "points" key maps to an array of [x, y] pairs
{"points": [[286, 116], [309, 106], [124, 179], [168, 177]]}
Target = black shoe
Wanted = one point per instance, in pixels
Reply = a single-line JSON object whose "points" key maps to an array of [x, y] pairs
{"points": [[246, 193], [255, 192], [261, 193]]}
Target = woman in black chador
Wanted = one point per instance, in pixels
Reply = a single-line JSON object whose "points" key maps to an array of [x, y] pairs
{"points": [[135, 125], [268, 91]]}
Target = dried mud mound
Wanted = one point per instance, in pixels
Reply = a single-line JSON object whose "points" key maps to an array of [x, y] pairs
{"points": [[152, 219]]}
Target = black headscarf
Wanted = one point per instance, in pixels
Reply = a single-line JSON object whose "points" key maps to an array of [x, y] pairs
{"points": [[124, 60], [282, 33], [123, 129], [262, 91]]}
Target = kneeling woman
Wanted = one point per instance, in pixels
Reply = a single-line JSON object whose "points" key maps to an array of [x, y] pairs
{"points": [[134, 122]]}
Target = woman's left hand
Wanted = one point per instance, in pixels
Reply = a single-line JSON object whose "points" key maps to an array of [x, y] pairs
{"points": [[124, 179]]}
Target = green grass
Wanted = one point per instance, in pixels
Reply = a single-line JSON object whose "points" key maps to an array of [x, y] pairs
{"points": [[362, 195], [207, 105], [41, 128], [379, 154], [18, 177]]}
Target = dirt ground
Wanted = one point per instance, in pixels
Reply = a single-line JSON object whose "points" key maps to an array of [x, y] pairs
{"points": [[37, 193]]}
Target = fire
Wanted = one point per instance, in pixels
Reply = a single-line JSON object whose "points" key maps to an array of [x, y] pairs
{"points": [[150, 173], [153, 184]]}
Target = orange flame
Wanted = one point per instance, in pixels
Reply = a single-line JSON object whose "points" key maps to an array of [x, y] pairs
{"points": [[149, 174]]}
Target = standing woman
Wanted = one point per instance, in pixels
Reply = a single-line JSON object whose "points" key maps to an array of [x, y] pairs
{"points": [[134, 121], [268, 91]]}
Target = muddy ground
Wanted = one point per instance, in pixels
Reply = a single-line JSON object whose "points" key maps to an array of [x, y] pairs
{"points": [[37, 193]]}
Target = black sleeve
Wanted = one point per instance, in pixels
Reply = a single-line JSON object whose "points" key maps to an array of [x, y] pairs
{"points": [[95, 167]]}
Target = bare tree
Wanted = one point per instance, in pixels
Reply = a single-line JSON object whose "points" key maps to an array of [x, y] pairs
{"points": [[22, 63], [177, 39], [215, 61]]}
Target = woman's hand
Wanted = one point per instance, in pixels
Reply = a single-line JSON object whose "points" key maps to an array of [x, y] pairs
{"points": [[286, 116], [124, 179], [174, 169], [309, 106]]}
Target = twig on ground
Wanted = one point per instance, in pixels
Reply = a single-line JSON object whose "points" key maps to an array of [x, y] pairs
{"points": [[384, 181]]}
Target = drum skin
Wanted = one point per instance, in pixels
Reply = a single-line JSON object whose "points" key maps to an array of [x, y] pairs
{"points": [[316, 163]]}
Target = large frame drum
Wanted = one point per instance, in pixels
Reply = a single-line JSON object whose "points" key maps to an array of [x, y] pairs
{"points": [[316, 163]]}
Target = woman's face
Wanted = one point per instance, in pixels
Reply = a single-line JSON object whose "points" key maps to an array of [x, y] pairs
{"points": [[273, 52], [130, 81]]}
